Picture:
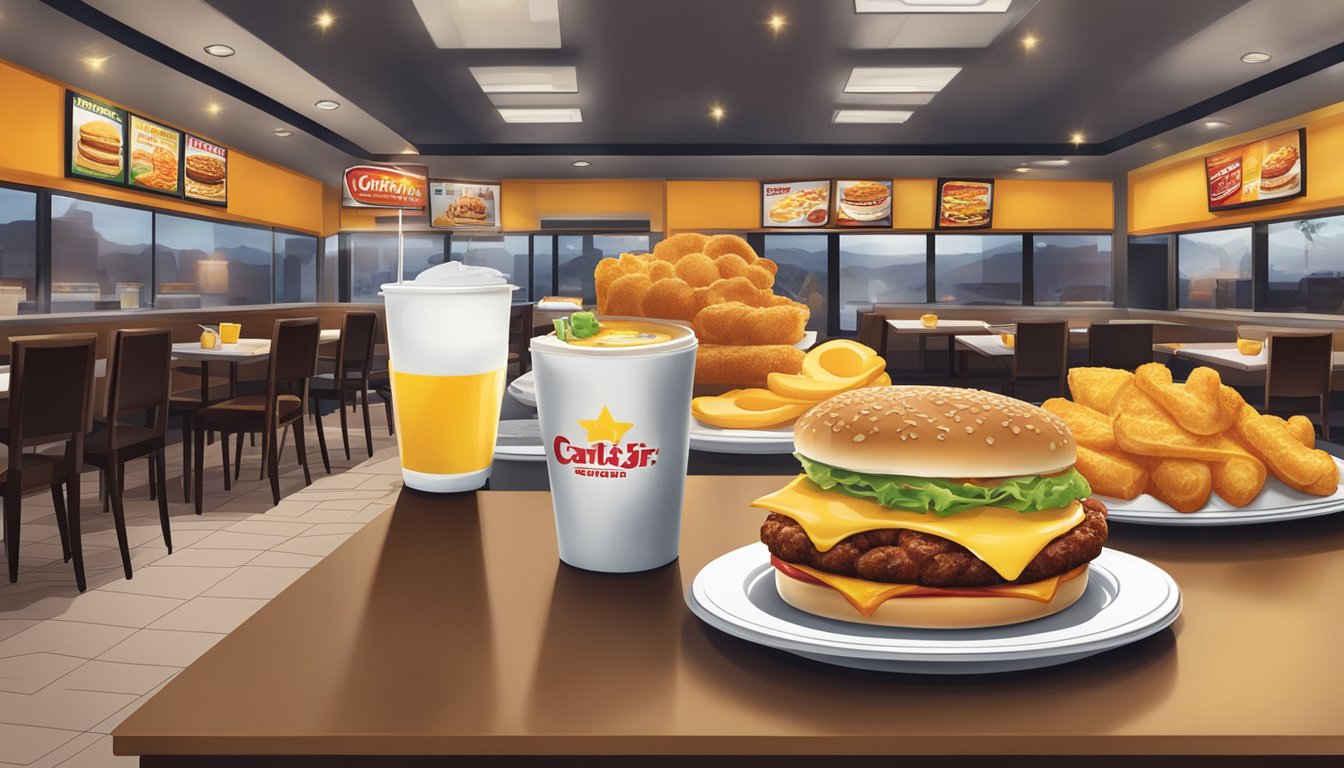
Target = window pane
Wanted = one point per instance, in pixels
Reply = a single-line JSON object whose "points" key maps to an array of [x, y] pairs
{"points": [[542, 255], [18, 252], [1214, 269], [208, 264], [331, 270], [579, 255], [100, 256], [373, 260], [802, 272], [978, 269], [506, 253], [295, 268], [880, 268], [1068, 269], [1306, 266]]}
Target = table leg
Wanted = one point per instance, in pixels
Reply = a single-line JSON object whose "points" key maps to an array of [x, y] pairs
{"points": [[952, 360], [965, 366]]}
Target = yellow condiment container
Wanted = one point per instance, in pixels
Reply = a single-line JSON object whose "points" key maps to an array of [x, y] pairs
{"points": [[1009, 340], [229, 332], [208, 339], [1250, 346], [929, 321]]}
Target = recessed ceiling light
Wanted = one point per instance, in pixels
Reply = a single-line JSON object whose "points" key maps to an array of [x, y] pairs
{"points": [[1255, 57], [327, 104], [213, 108], [541, 114], [283, 133], [324, 19], [1022, 169], [580, 163], [219, 49], [871, 115], [899, 79], [1029, 42], [1053, 163], [930, 6], [776, 22], [526, 79], [95, 62], [1077, 137], [1213, 124], [716, 113]]}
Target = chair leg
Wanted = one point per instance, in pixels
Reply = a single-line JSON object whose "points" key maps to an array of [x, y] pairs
{"points": [[238, 455], [224, 455], [345, 428], [114, 490], [153, 481], [186, 457], [368, 429], [12, 517], [321, 436], [160, 470], [391, 425], [302, 450], [58, 502], [271, 442], [198, 436], [72, 513]]}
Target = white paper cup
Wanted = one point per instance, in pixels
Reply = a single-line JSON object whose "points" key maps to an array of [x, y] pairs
{"points": [[448, 349], [615, 424]]}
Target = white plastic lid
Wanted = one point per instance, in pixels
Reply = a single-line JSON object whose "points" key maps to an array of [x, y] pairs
{"points": [[453, 275], [682, 337]]}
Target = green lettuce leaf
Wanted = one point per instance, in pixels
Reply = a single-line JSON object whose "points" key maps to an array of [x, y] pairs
{"points": [[946, 498]]}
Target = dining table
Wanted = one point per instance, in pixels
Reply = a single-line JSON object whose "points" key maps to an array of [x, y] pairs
{"points": [[947, 328], [1226, 355]]}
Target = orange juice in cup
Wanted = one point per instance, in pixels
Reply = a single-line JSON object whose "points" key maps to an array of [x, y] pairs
{"points": [[1009, 340], [228, 333], [208, 339], [929, 321], [1250, 347]]}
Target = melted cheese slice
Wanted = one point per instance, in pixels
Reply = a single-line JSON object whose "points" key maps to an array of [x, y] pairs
{"points": [[866, 596], [1007, 540]]}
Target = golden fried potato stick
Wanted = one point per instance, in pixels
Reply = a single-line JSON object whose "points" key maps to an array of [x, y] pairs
{"points": [[670, 299], [732, 265], [744, 366], [1303, 430], [718, 245], [1202, 405], [697, 269], [676, 246], [626, 295], [606, 273], [659, 270], [736, 323], [1308, 470], [1110, 473], [1182, 484], [1096, 388], [1238, 481], [1090, 428]]}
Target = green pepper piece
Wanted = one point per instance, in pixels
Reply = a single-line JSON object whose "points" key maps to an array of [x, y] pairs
{"points": [[584, 325]]}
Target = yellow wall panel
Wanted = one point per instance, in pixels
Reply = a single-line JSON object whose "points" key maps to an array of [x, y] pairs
{"points": [[1053, 205], [696, 206], [912, 203], [524, 203]]}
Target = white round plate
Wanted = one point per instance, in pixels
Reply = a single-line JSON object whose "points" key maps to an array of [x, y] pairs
{"points": [[1292, 190], [519, 440], [1276, 502], [1127, 599], [753, 441], [524, 388]]}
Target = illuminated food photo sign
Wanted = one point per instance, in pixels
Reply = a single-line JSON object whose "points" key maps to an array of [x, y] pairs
{"points": [[795, 203], [1258, 172], [965, 204], [382, 186]]}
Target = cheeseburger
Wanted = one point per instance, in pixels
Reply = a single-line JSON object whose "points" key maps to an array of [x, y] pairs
{"points": [[932, 507], [1278, 170]]}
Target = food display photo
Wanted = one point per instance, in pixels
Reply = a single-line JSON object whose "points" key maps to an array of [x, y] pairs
{"points": [[796, 203], [205, 169], [965, 203], [96, 136], [155, 152], [454, 205], [1259, 172], [864, 203]]}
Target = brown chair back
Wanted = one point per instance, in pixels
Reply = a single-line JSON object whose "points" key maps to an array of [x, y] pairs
{"points": [[355, 351], [520, 332], [1041, 350], [137, 379], [50, 389], [873, 331], [293, 350], [1119, 345], [1299, 365]]}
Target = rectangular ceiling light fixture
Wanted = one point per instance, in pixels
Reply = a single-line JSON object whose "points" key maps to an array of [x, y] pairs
{"points": [[871, 115], [491, 23], [931, 6], [526, 79], [541, 114], [899, 79]]}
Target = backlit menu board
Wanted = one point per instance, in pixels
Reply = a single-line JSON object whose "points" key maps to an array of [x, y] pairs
{"points": [[205, 170], [156, 152], [95, 136], [863, 203], [795, 203], [458, 205], [385, 186], [964, 204], [1259, 172]]}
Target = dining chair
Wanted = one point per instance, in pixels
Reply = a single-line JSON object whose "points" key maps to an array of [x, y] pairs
{"points": [[520, 337], [348, 383], [1119, 345], [1301, 366], [873, 331], [383, 389], [290, 367], [137, 391], [1040, 355], [185, 404], [50, 401]]}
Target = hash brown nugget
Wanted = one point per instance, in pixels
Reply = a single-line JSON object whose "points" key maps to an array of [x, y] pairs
{"points": [[744, 366], [1182, 484], [1303, 468], [626, 295], [767, 265], [676, 246], [718, 324], [739, 289], [718, 245], [1303, 430], [632, 264], [1201, 405], [669, 298], [659, 270], [697, 269], [732, 265], [736, 323], [1110, 473], [606, 273], [1097, 388]]}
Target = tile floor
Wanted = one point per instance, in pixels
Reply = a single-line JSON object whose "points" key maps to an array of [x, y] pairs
{"points": [[73, 666]]}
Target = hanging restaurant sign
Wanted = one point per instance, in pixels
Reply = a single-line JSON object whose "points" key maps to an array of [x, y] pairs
{"points": [[383, 186]]}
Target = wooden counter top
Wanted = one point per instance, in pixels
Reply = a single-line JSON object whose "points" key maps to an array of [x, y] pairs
{"points": [[448, 627]]}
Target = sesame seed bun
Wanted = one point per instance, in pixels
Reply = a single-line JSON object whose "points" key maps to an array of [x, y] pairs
{"points": [[102, 135], [944, 432]]}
